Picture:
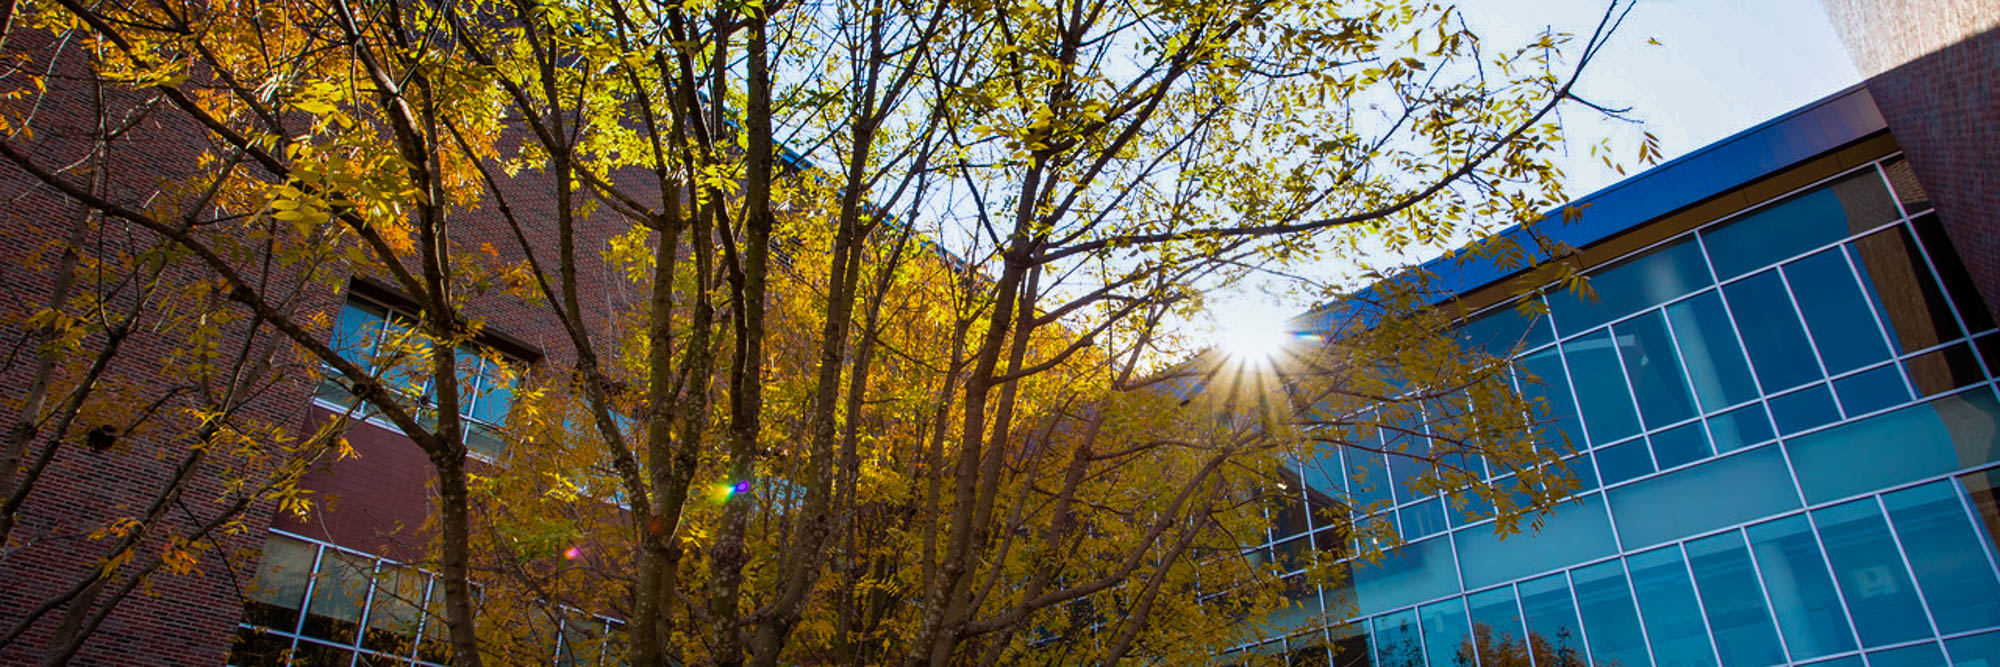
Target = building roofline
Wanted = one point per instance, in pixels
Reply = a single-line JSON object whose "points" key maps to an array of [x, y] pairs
{"points": [[1762, 150]]}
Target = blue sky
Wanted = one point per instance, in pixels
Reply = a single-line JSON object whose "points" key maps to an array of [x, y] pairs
{"points": [[1721, 66]]}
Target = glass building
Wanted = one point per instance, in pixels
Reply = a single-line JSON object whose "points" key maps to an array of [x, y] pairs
{"points": [[1787, 433]]}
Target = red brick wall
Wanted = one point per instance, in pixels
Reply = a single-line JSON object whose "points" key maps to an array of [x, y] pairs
{"points": [[1934, 70]]}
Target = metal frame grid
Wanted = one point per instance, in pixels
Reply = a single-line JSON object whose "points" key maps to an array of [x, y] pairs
{"points": [[1974, 341], [360, 655]]}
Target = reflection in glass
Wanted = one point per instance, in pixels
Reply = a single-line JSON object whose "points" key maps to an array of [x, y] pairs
{"points": [[1609, 619], [1939, 371], [1871, 390], [1771, 332], [1708, 347], [1733, 602], [1946, 434], [1551, 618], [1685, 502], [1667, 603], [1631, 285], [1946, 556], [1680, 445], [1739, 428], [1836, 313], [1446, 632], [1794, 573], [1899, 283], [1498, 637], [1600, 387], [1397, 643], [1980, 650], [1877, 589], [1803, 409], [1576, 532], [273, 598], [1411, 573], [337, 597], [1655, 370], [1799, 224], [1546, 383], [1957, 281], [1623, 461]]}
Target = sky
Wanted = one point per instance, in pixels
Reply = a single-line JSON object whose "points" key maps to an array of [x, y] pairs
{"points": [[1720, 67]]}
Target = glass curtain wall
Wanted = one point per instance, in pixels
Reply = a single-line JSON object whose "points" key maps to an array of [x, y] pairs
{"points": [[1786, 432]]}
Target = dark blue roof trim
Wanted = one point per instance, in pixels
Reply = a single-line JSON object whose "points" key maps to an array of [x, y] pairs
{"points": [[1772, 146]]}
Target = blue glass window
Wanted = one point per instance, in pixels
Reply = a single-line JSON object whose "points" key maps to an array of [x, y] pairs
{"points": [[1576, 532], [1740, 428], [1799, 224], [1446, 632], [1680, 445], [1802, 594], [1901, 286], [1804, 409], [1623, 461], [1403, 431], [1502, 331], [1369, 482], [1771, 332], [1655, 370], [1836, 313], [1686, 502], [1934, 438], [355, 333], [1423, 519], [1658, 276], [1708, 346], [1322, 474], [1667, 603], [1946, 556], [1496, 624], [1609, 619], [1871, 390], [1600, 387], [1981, 650], [1548, 383], [1551, 616], [1733, 601], [1879, 594], [1397, 643], [1921, 655], [1411, 573], [1848, 661]]}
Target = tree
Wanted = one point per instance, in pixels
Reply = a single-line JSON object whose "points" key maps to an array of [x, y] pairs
{"points": [[917, 405]]}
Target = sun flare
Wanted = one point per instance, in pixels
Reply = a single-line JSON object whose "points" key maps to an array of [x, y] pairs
{"points": [[1252, 332]]}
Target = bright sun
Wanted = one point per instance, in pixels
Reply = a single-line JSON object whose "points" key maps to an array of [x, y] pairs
{"points": [[1251, 332]]}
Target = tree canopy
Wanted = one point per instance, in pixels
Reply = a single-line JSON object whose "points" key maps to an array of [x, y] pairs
{"points": [[867, 310]]}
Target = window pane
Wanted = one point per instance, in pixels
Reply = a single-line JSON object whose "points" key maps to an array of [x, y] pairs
{"points": [[1502, 331], [1849, 661], [1921, 655], [1322, 475], [1983, 489], [1836, 313], [1939, 371], [1941, 436], [1981, 650], [1423, 519], [342, 586], [1804, 409], [1679, 446], [1576, 532], [1545, 381], [1946, 556], [1350, 646], [1872, 390], [1411, 573], [1496, 627], [1655, 370], [1369, 481], [1771, 332], [392, 617], [1397, 643], [1708, 346], [1403, 431], [1632, 285], [1623, 461], [1903, 180], [1740, 428], [1609, 619], [1733, 602], [1758, 487], [1799, 224], [1667, 603], [1878, 590], [1957, 281], [1551, 618], [273, 598], [355, 333], [1446, 632], [1900, 284], [1802, 593], [1600, 387]]}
